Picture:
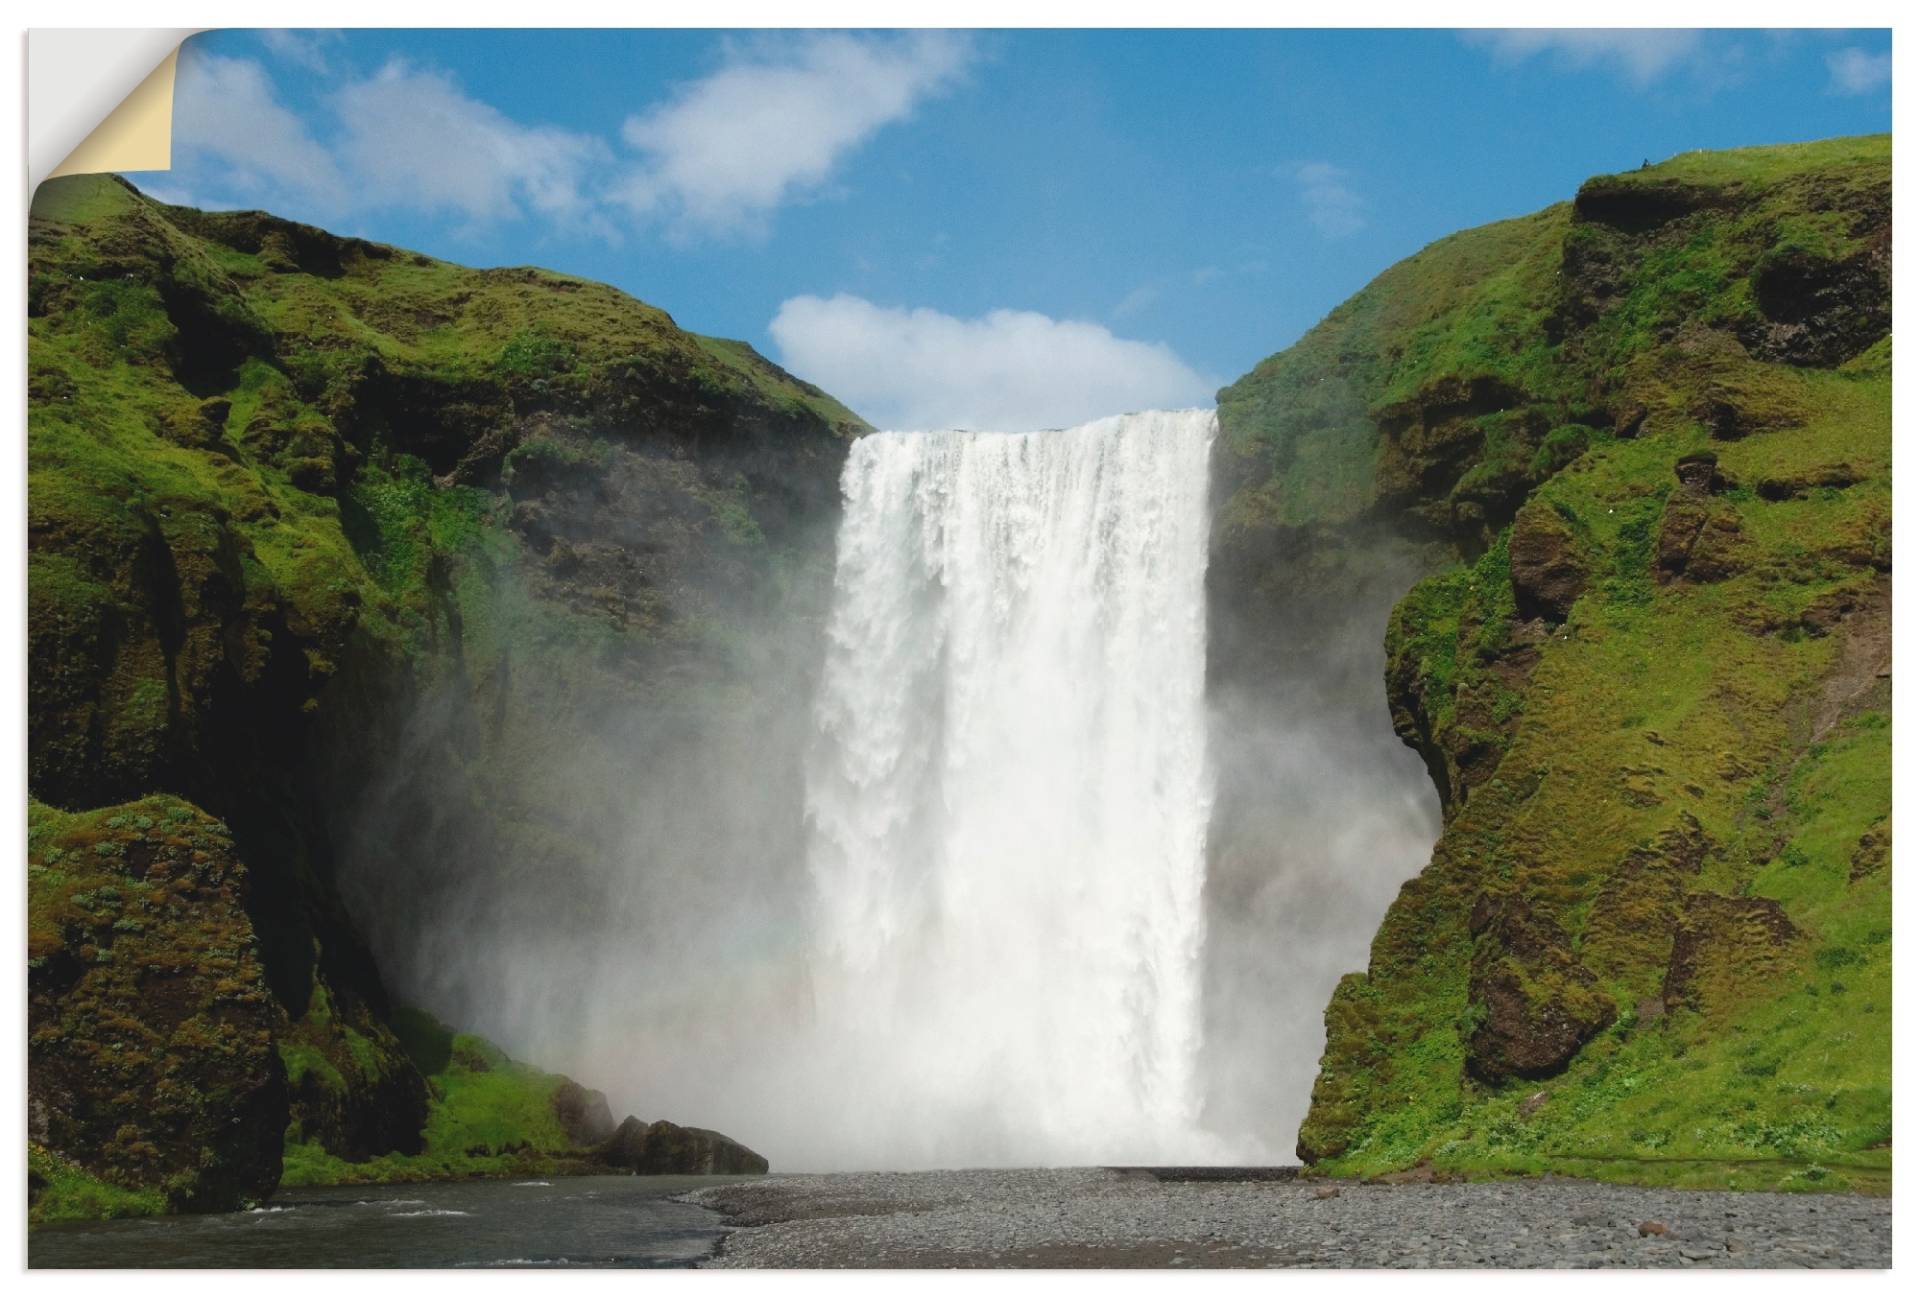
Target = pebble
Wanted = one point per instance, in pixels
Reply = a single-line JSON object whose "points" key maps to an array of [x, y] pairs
{"points": [[1089, 1218]]}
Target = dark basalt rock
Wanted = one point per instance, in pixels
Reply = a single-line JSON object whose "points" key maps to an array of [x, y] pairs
{"points": [[1820, 311], [1636, 205], [583, 1114], [666, 1149]]}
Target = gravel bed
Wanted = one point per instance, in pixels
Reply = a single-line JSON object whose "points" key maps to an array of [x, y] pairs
{"points": [[1114, 1218]]}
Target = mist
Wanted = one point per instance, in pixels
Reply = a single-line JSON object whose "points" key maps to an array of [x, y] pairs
{"points": [[614, 867], [1322, 814]]}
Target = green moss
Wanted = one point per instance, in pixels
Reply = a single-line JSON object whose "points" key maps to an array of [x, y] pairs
{"points": [[63, 1192], [1732, 711], [488, 1115]]}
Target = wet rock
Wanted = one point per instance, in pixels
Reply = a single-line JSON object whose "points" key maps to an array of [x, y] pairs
{"points": [[663, 1148], [583, 1114]]}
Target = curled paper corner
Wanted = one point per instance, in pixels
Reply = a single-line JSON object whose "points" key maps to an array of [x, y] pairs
{"points": [[100, 100]]}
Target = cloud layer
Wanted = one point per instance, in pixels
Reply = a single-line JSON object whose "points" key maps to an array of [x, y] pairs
{"points": [[1642, 56], [1004, 371], [767, 128]]}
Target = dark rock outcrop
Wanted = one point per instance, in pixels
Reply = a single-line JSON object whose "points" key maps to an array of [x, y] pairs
{"points": [[1700, 540], [663, 1148], [583, 1114], [1537, 1003]]}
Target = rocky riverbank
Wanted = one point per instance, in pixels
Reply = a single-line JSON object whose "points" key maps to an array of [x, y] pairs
{"points": [[1091, 1218]]}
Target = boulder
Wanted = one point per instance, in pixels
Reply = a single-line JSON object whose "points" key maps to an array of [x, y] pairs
{"points": [[663, 1148]]}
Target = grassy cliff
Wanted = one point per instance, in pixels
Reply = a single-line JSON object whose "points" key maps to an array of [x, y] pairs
{"points": [[281, 486], [1642, 441]]}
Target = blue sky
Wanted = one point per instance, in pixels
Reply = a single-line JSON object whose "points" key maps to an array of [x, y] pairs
{"points": [[994, 229]]}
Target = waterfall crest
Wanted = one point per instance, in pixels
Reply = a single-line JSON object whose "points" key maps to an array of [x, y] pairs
{"points": [[1008, 796]]}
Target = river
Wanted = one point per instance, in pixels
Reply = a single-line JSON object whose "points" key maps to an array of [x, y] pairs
{"points": [[617, 1221]]}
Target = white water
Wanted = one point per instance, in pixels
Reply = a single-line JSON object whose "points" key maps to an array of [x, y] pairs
{"points": [[1008, 799]]}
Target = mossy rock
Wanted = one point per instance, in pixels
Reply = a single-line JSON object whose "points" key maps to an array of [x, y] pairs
{"points": [[150, 1028]]}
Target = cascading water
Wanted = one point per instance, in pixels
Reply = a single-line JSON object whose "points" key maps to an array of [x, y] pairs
{"points": [[1008, 797]]}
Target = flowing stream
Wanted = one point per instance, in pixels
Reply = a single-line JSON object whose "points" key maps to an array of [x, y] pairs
{"points": [[1008, 797], [619, 1221]]}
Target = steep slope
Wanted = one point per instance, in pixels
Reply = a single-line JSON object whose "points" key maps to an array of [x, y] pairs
{"points": [[282, 486], [1642, 442]]}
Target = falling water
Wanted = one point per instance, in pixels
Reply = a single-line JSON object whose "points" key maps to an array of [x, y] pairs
{"points": [[1008, 796]]}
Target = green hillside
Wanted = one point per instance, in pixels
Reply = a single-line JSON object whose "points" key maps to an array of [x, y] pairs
{"points": [[1644, 440]]}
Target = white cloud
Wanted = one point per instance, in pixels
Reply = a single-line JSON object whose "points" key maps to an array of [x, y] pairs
{"points": [[307, 49], [225, 109], [768, 128], [411, 138], [1332, 205], [1856, 72], [770, 125], [1641, 55], [1004, 371]]}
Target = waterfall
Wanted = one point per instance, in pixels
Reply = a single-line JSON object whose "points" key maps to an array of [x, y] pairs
{"points": [[1008, 797]]}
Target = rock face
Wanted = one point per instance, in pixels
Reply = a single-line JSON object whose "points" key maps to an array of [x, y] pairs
{"points": [[150, 1027], [283, 486], [1539, 1003], [583, 1114], [1642, 444], [663, 1148]]}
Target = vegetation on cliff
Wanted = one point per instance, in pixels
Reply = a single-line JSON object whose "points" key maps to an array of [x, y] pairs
{"points": [[280, 484], [1647, 435]]}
